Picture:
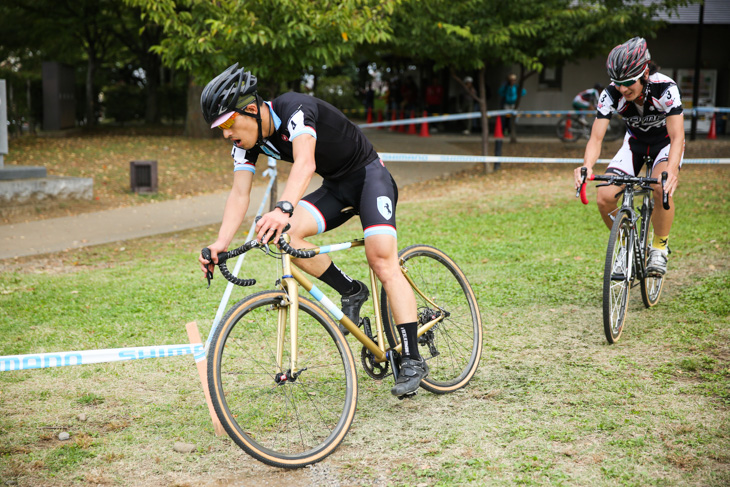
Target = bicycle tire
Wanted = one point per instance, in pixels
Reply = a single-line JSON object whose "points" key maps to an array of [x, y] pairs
{"points": [[651, 286], [616, 277], [457, 339], [616, 129], [575, 130], [288, 424]]}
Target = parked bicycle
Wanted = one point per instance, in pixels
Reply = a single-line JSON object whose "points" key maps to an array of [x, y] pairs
{"points": [[290, 403], [579, 128], [628, 247]]}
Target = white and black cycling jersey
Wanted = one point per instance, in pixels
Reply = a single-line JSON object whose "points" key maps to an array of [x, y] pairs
{"points": [[341, 146], [647, 122]]}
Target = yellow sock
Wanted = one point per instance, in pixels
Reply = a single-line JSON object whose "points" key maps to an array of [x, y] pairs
{"points": [[660, 243]]}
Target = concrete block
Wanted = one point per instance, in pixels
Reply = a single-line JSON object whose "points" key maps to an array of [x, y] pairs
{"points": [[32, 190]]}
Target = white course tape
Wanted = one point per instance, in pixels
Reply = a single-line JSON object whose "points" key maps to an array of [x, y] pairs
{"points": [[395, 156], [83, 357]]}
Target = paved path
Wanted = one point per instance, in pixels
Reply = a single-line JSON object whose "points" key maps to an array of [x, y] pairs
{"points": [[58, 234]]}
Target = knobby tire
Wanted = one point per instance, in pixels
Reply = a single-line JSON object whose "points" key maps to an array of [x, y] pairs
{"points": [[287, 424], [457, 339]]}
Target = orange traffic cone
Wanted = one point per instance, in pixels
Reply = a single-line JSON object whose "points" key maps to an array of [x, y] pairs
{"points": [[498, 135], [567, 134], [402, 128], [412, 126], [712, 134], [424, 126], [380, 118], [370, 115], [393, 128]]}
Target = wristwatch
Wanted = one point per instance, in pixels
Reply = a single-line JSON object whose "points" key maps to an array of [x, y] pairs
{"points": [[286, 207]]}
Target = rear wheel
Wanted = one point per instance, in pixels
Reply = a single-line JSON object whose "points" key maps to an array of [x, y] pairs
{"points": [[651, 286], [453, 346], [282, 419], [569, 129], [616, 277]]}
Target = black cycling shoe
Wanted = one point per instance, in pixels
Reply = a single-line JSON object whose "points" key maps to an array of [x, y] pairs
{"points": [[411, 373], [351, 305]]}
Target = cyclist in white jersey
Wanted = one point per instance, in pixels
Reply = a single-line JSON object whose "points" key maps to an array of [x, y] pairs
{"points": [[315, 137], [587, 99], [651, 107]]}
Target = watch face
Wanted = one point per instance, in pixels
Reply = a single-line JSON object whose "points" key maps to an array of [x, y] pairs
{"points": [[286, 207]]}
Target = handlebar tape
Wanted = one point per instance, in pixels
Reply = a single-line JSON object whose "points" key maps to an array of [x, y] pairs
{"points": [[231, 278], [583, 195], [301, 254], [582, 191], [223, 257]]}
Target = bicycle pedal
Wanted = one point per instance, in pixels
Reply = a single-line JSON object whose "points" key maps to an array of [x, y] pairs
{"points": [[407, 396], [618, 277]]}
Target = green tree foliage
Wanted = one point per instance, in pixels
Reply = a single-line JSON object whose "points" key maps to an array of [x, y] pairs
{"points": [[277, 40], [98, 37], [473, 35]]}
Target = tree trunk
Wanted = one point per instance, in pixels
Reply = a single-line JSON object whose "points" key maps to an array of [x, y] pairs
{"points": [[152, 71], [488, 166], [195, 125], [90, 102]]}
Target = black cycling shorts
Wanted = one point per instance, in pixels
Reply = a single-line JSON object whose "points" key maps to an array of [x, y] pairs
{"points": [[371, 191], [630, 157]]}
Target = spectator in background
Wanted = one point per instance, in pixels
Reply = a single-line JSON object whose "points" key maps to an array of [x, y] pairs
{"points": [[394, 97], [409, 95], [470, 102], [434, 97], [508, 97], [368, 96]]}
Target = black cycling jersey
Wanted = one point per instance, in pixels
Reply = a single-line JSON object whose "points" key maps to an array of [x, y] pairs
{"points": [[648, 123], [341, 146]]}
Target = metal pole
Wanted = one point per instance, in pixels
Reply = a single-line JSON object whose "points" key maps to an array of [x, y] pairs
{"points": [[3, 123]]}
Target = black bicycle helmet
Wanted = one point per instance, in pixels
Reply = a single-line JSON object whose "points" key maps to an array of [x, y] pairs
{"points": [[230, 91], [628, 60]]}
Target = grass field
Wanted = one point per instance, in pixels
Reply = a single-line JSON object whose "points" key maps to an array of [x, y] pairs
{"points": [[551, 404]]}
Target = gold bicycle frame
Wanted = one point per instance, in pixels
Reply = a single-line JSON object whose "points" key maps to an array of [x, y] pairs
{"points": [[292, 278]]}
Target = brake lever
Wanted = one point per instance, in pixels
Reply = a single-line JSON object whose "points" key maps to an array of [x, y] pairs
{"points": [[583, 172], [207, 256], [665, 196]]}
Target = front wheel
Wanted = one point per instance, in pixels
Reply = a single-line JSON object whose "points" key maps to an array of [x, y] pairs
{"points": [[281, 418], [452, 347], [651, 286], [617, 277]]}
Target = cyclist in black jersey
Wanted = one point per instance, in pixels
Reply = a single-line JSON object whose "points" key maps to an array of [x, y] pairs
{"points": [[650, 104], [315, 137]]}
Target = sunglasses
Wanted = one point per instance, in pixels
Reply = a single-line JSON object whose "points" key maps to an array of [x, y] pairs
{"points": [[627, 82], [228, 123]]}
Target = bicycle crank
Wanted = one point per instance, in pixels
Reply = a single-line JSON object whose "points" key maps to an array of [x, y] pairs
{"points": [[372, 368]]}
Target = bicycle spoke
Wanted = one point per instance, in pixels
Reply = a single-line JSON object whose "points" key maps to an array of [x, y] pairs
{"points": [[290, 419], [617, 281], [453, 346]]}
